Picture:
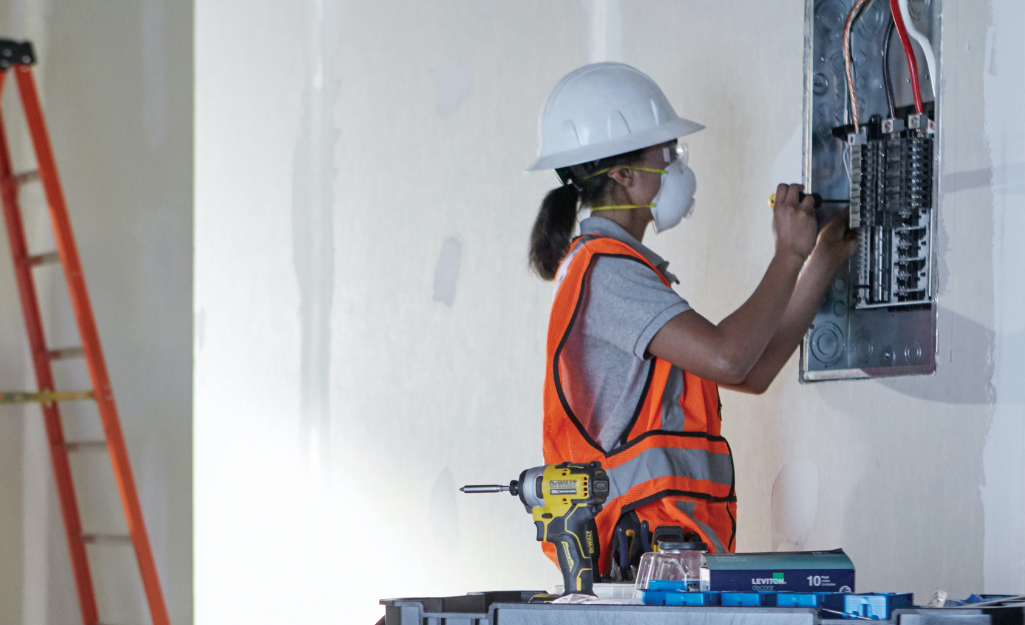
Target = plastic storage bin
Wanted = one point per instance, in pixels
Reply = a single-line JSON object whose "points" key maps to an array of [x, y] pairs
{"points": [[470, 609], [511, 608]]}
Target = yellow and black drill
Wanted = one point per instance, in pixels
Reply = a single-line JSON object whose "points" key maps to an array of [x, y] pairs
{"points": [[564, 499]]}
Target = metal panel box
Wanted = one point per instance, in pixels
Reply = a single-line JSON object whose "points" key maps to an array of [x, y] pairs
{"points": [[879, 317]]}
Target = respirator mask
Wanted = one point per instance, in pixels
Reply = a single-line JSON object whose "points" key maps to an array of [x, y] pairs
{"points": [[674, 201]]}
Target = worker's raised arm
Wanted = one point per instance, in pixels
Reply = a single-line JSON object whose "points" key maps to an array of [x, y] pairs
{"points": [[836, 243], [726, 353]]}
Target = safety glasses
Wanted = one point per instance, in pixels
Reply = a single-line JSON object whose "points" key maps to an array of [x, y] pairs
{"points": [[677, 152]]}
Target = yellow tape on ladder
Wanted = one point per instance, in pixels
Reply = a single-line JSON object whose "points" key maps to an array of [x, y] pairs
{"points": [[44, 397]]}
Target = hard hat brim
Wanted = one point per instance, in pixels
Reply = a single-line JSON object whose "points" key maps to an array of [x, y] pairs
{"points": [[668, 131]]}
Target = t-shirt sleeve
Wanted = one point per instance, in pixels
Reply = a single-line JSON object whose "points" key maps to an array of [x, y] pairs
{"points": [[627, 304]]}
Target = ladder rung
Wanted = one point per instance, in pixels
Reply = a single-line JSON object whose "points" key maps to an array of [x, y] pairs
{"points": [[65, 353], [48, 258], [26, 177], [85, 445], [93, 539], [44, 397]]}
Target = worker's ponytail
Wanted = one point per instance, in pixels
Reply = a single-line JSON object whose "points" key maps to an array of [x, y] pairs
{"points": [[553, 229]]}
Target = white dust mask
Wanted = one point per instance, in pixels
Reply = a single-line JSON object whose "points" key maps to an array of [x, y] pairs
{"points": [[675, 199]]}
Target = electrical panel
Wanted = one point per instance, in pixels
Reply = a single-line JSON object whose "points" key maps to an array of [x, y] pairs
{"points": [[879, 317]]}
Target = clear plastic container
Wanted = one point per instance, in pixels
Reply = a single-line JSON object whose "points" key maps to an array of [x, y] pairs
{"points": [[676, 562]]}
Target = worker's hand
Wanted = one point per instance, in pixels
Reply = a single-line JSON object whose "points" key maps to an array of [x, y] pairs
{"points": [[793, 222], [837, 242]]}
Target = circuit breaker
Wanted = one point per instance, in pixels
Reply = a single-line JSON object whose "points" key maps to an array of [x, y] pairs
{"points": [[880, 156]]}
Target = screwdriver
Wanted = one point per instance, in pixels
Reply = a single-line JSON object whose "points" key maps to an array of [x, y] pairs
{"points": [[818, 200]]}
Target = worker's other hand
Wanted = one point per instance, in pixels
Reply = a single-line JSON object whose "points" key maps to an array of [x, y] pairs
{"points": [[837, 242], [793, 221]]}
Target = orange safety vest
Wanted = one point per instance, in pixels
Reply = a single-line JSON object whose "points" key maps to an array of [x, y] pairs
{"points": [[672, 467]]}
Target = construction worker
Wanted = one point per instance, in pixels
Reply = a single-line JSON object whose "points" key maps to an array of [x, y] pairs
{"points": [[632, 371]]}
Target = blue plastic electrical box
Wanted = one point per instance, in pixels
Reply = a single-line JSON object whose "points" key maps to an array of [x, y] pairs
{"points": [[800, 599], [749, 599], [676, 597], [667, 584], [875, 606]]}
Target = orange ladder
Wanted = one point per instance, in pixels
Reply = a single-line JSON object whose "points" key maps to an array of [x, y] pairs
{"points": [[17, 58]]}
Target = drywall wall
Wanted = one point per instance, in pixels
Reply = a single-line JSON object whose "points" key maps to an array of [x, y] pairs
{"points": [[368, 338], [116, 82], [1004, 455]]}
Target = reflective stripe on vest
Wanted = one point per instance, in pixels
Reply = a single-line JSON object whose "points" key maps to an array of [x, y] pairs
{"points": [[670, 466], [659, 462]]}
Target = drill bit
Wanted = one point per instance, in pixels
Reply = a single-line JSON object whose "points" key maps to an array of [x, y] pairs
{"points": [[484, 488]]}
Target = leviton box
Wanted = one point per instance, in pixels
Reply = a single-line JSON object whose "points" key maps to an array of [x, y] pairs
{"points": [[796, 571]]}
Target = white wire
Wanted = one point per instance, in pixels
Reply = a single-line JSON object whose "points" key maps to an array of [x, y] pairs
{"points": [[846, 156], [930, 58]]}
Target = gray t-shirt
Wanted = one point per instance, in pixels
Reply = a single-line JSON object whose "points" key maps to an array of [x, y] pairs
{"points": [[625, 305]]}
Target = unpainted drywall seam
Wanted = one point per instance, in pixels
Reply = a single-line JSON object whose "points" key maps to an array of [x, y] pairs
{"points": [[446, 273], [604, 30], [313, 177]]}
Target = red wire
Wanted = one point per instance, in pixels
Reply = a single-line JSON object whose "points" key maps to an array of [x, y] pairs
{"points": [[909, 54]]}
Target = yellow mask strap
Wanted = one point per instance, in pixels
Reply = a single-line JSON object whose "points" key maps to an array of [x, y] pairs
{"points": [[608, 208], [608, 169], [622, 206]]}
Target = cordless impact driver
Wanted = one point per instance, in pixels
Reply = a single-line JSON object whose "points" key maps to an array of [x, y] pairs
{"points": [[563, 499]]}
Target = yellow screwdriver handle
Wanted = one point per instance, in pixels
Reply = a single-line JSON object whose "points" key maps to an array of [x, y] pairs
{"points": [[818, 199]]}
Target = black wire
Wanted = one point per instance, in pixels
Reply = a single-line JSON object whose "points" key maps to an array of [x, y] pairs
{"points": [[886, 68]]}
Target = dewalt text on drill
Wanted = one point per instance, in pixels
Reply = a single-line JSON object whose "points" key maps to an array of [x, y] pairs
{"points": [[563, 499]]}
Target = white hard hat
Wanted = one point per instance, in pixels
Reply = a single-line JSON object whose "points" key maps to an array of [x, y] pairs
{"points": [[601, 110]]}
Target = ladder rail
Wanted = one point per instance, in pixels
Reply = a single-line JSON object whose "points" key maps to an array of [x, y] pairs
{"points": [[44, 378]]}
